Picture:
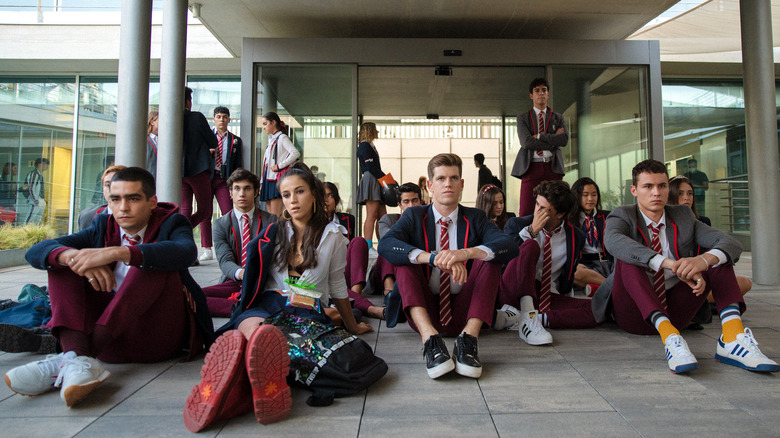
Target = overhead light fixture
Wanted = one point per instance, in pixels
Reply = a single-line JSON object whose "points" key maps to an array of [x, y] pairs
{"points": [[195, 8], [443, 70]]}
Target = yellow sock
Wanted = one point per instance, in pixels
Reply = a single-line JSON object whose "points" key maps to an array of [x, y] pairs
{"points": [[666, 329], [731, 329]]}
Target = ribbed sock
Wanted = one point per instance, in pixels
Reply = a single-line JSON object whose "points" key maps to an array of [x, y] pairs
{"points": [[663, 325], [526, 304], [545, 322], [731, 322]]}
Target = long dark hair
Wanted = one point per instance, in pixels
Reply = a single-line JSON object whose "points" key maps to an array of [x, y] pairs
{"points": [[334, 191], [273, 117], [487, 194], [285, 247], [674, 192], [576, 189]]}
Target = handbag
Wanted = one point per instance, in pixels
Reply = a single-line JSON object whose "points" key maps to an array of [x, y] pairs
{"points": [[389, 193], [326, 359]]}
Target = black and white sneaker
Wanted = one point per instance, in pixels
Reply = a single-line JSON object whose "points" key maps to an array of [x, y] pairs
{"points": [[467, 356], [437, 358]]}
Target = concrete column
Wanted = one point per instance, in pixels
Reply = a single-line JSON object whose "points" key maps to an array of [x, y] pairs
{"points": [[586, 152], [135, 33], [761, 129], [172, 70]]}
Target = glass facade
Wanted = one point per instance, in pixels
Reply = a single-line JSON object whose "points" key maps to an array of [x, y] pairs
{"points": [[37, 122]]}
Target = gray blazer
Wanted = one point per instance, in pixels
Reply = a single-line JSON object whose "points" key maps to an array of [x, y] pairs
{"points": [[626, 237], [386, 222], [86, 216], [227, 240], [547, 141]]}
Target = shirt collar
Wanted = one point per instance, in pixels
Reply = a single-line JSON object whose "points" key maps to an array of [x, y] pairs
{"points": [[238, 214], [649, 222], [140, 233], [453, 216], [537, 111]]}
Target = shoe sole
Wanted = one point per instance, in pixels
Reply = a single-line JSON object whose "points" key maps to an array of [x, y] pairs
{"points": [[8, 383], [684, 368], [523, 338], [76, 393], [468, 371], [222, 370], [268, 363], [765, 368], [441, 369], [15, 339]]}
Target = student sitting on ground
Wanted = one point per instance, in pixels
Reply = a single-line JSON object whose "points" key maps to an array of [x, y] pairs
{"points": [[303, 251], [492, 201], [448, 265], [540, 279], [120, 292], [232, 233], [660, 280], [596, 263]]}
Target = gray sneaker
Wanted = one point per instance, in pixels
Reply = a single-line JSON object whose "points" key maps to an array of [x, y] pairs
{"points": [[80, 376], [35, 378]]}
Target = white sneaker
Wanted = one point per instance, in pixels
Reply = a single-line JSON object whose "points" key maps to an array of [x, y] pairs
{"points": [[532, 331], [207, 255], [744, 353], [679, 356], [35, 378], [78, 377], [507, 318]]}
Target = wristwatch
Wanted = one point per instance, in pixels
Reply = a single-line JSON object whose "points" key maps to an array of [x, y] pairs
{"points": [[433, 256]]}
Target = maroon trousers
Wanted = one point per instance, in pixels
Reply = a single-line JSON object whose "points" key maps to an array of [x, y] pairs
{"points": [[382, 269], [633, 297], [218, 297], [536, 173], [355, 272], [200, 186], [220, 191], [519, 279], [476, 299], [146, 317]]}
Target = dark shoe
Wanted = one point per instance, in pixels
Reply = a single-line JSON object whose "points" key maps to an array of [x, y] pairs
{"points": [[395, 312], [467, 356], [703, 315], [358, 314], [694, 326], [223, 391], [437, 358], [268, 363], [15, 339]]}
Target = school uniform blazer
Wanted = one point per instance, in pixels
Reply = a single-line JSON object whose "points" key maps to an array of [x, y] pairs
{"points": [[369, 160], [227, 240], [86, 216], [527, 127], [575, 240], [151, 155], [198, 139], [386, 222], [628, 239], [173, 249], [234, 154], [601, 225], [416, 230], [347, 221]]}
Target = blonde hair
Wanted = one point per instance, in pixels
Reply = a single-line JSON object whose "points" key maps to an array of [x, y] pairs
{"points": [[153, 115], [368, 132], [113, 169]]}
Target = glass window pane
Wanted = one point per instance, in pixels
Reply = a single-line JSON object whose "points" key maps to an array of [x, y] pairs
{"points": [[36, 126]]}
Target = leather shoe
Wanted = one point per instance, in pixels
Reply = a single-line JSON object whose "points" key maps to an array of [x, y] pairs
{"points": [[467, 356], [437, 358]]}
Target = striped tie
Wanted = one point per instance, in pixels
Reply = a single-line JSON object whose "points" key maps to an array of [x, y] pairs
{"points": [[546, 292], [132, 240], [658, 278], [445, 311], [541, 129], [591, 232], [245, 234], [221, 142]]}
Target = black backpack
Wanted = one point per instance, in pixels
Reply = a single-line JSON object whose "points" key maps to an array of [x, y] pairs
{"points": [[327, 360]]}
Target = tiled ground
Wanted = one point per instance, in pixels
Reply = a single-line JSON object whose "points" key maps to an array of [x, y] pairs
{"points": [[600, 382]]}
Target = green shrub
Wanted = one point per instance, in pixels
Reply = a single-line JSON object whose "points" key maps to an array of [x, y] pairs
{"points": [[24, 236]]}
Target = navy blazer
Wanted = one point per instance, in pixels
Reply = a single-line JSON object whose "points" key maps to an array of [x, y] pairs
{"points": [[575, 240], [173, 250], [234, 154], [416, 230], [369, 160], [198, 139], [347, 221]]}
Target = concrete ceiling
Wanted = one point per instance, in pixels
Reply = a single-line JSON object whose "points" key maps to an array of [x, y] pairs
{"points": [[232, 20]]}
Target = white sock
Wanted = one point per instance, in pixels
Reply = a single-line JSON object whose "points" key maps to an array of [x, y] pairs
{"points": [[527, 304], [657, 321]]}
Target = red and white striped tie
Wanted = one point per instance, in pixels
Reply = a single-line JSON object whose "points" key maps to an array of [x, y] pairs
{"points": [[658, 278], [546, 292], [221, 142], [541, 129], [445, 311], [245, 237], [132, 240]]}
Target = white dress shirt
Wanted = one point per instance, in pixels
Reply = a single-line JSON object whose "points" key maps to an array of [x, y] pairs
{"points": [[120, 270], [558, 254]]}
